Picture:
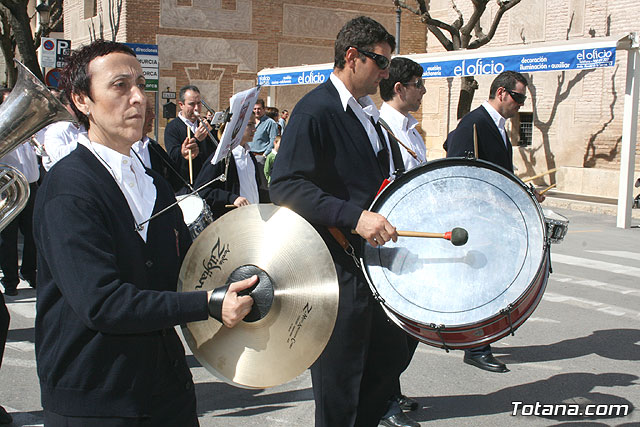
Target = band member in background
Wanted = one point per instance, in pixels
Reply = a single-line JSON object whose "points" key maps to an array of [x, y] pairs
{"points": [[24, 159], [266, 132], [245, 182], [507, 94], [332, 160], [107, 351], [153, 156], [179, 146], [59, 138], [402, 93]]}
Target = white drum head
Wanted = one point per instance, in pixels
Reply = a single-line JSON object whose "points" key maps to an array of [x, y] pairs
{"points": [[433, 281], [191, 207]]}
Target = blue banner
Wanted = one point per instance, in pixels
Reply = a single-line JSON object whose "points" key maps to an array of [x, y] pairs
{"points": [[475, 63], [547, 61]]}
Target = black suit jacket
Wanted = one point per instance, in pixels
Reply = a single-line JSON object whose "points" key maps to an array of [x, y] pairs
{"points": [[491, 146], [106, 298], [326, 171], [219, 193], [174, 134], [163, 165]]}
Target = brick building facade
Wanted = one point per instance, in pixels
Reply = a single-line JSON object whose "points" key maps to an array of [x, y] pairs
{"points": [[220, 45]]}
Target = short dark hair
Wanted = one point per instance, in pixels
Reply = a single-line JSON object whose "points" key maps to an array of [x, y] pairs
{"points": [[401, 70], [260, 101], [75, 77], [507, 80], [272, 112], [184, 89], [362, 33]]}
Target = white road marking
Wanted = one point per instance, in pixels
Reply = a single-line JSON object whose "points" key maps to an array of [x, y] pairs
{"points": [[19, 363], [598, 265], [622, 290], [24, 309], [542, 320], [619, 254], [24, 346], [592, 305]]}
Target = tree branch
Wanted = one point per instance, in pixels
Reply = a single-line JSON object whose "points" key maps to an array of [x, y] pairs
{"points": [[505, 5]]}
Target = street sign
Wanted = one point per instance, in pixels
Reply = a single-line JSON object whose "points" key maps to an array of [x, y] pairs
{"points": [[54, 52], [168, 95], [147, 55], [52, 79]]}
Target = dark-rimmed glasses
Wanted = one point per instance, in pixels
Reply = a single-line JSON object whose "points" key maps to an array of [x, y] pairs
{"points": [[519, 98], [381, 61], [419, 84]]}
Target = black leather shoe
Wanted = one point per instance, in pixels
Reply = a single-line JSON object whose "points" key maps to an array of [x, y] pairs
{"points": [[486, 362], [30, 278], [398, 420], [5, 418], [407, 403]]}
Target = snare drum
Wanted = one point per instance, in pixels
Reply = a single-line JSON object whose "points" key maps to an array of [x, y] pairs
{"points": [[196, 213], [459, 296], [557, 226]]}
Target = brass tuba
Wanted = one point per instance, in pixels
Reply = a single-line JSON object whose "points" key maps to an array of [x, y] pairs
{"points": [[28, 108]]}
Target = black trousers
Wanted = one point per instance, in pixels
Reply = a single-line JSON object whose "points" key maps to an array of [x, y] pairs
{"points": [[9, 244], [355, 374], [4, 325]]}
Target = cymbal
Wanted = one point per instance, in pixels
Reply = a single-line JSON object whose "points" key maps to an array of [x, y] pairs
{"points": [[278, 344]]}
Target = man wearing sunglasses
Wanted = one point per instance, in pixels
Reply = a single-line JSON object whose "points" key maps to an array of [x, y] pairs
{"points": [[402, 93], [506, 95], [332, 160]]}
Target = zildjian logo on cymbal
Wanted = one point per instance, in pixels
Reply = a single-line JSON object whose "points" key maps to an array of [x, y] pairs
{"points": [[218, 257]]}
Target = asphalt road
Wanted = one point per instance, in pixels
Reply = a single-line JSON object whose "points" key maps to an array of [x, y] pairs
{"points": [[580, 347]]}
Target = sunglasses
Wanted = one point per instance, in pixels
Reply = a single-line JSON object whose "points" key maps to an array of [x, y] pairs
{"points": [[381, 61], [419, 84], [519, 98]]}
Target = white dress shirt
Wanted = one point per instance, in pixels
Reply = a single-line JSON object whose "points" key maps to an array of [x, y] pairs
{"points": [[246, 175], [136, 186], [58, 139], [24, 159], [141, 148], [189, 123], [404, 128], [498, 120], [365, 110]]}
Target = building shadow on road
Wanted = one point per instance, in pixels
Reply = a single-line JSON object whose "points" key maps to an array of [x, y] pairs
{"points": [[617, 344], [218, 396], [570, 389]]}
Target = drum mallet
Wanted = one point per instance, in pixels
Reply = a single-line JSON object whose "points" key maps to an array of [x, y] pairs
{"points": [[458, 236]]}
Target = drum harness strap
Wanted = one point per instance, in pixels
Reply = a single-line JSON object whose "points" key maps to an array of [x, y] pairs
{"points": [[344, 243], [507, 312], [438, 329]]}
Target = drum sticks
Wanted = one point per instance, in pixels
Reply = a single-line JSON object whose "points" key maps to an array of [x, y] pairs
{"points": [[539, 175], [190, 160]]}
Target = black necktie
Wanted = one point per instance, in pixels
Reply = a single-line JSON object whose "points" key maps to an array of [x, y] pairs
{"points": [[383, 154]]}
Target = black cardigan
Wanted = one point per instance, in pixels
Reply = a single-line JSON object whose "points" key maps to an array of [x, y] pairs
{"points": [[105, 299]]}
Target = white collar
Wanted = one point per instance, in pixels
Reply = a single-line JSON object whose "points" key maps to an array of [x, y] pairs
{"points": [[400, 120], [346, 98], [186, 121], [497, 117]]}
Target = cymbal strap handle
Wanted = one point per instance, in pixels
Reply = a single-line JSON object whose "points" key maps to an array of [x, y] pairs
{"points": [[215, 302]]}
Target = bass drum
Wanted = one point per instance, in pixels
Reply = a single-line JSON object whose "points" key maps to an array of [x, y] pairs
{"points": [[459, 296]]}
